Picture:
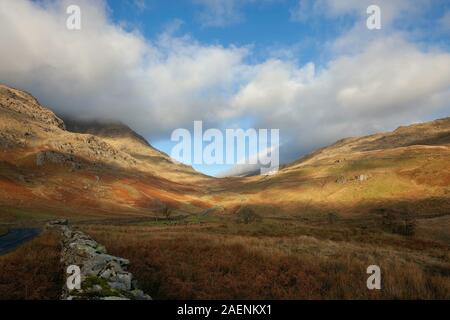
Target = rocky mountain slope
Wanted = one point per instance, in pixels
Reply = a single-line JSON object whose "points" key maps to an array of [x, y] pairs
{"points": [[98, 168], [402, 173], [124, 139], [102, 169], [382, 199]]}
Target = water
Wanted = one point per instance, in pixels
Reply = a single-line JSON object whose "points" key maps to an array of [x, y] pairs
{"points": [[16, 237]]}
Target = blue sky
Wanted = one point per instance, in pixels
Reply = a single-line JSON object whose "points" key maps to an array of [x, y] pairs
{"points": [[310, 68], [266, 26], [269, 27]]}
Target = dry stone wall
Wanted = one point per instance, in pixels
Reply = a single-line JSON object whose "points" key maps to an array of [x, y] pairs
{"points": [[103, 276]]}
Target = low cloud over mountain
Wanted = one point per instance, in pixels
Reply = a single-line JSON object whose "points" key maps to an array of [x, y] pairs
{"points": [[367, 82]]}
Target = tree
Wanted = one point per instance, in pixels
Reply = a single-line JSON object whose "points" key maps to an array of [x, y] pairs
{"points": [[247, 215]]}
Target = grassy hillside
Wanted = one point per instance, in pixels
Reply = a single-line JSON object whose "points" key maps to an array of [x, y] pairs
{"points": [[308, 231], [101, 170]]}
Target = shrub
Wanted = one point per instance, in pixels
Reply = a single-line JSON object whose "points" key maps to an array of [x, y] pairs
{"points": [[403, 224], [247, 215], [332, 217]]}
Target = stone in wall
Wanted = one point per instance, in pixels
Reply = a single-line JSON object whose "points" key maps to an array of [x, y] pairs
{"points": [[103, 276]]}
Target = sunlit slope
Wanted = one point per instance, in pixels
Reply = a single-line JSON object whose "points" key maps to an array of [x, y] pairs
{"points": [[107, 169], [408, 168], [46, 168], [122, 138]]}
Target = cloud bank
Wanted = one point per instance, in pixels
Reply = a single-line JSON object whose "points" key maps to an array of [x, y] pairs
{"points": [[370, 83]]}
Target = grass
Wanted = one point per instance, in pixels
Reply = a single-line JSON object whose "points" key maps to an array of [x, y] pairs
{"points": [[222, 259], [32, 271], [3, 230], [91, 281], [314, 238], [393, 175]]}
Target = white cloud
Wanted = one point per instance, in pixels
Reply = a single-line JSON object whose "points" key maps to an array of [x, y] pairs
{"points": [[220, 13], [388, 83], [141, 5], [156, 86], [390, 10], [252, 163], [445, 21], [105, 71]]}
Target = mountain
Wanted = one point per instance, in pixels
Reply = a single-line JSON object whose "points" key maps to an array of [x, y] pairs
{"points": [[382, 200], [123, 138], [404, 172], [51, 167], [84, 168]]}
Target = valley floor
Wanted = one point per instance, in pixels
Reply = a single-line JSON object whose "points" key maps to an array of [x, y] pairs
{"points": [[212, 257], [32, 271], [219, 258], [310, 231]]}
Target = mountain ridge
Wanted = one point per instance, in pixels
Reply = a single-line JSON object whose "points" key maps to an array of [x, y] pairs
{"points": [[42, 164], [108, 169]]}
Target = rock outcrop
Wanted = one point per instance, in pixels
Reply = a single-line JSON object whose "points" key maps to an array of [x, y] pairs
{"points": [[25, 104], [103, 276], [41, 161]]}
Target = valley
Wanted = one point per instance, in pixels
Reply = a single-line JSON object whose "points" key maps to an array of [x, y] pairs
{"points": [[307, 232]]}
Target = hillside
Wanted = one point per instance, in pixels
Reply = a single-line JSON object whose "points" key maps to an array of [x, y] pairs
{"points": [[123, 138], [404, 172], [306, 232], [98, 170], [106, 167]]}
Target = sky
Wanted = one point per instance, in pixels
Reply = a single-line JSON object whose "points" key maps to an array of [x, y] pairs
{"points": [[311, 69]]}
